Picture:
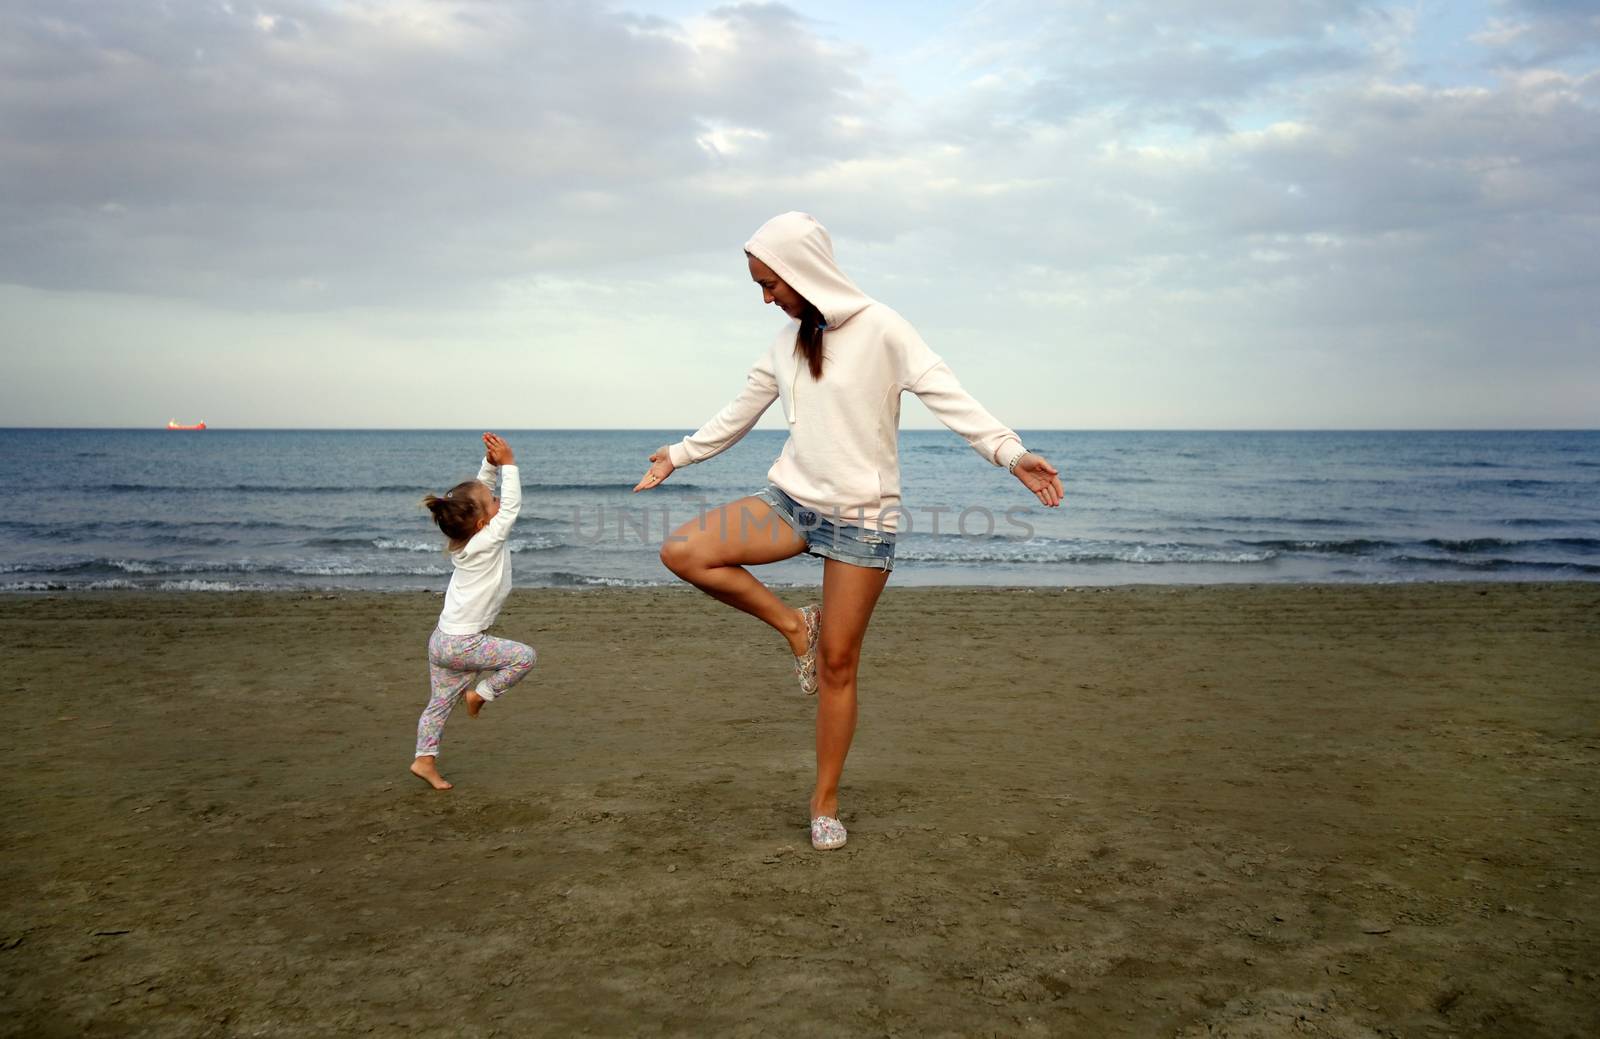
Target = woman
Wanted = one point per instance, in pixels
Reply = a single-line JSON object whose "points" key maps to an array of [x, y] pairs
{"points": [[839, 367]]}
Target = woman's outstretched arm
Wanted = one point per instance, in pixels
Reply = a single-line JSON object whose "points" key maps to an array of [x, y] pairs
{"points": [[726, 428], [924, 373]]}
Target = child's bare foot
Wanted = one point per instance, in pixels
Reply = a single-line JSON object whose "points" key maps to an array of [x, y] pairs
{"points": [[475, 702], [425, 770]]}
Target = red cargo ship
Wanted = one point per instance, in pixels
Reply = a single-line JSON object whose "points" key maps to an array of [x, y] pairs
{"points": [[175, 424]]}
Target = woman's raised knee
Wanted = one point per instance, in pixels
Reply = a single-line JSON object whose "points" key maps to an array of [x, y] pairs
{"points": [[674, 556], [681, 558]]}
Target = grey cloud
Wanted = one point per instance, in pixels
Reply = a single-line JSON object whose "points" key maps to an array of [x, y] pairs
{"points": [[1189, 65], [1143, 22], [298, 154], [325, 160], [1191, 85], [1558, 8], [1536, 33], [1457, 228]]}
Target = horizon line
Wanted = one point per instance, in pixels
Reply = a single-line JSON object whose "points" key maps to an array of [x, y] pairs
{"points": [[903, 429]]}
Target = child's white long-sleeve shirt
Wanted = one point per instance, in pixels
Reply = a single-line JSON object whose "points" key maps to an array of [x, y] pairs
{"points": [[482, 577]]}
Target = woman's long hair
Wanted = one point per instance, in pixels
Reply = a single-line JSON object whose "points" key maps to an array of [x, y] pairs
{"points": [[808, 341]]}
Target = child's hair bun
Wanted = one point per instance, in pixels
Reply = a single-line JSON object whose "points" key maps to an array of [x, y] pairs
{"points": [[455, 512]]}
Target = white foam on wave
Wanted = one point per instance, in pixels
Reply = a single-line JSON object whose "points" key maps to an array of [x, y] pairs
{"points": [[137, 566], [310, 569], [207, 586], [535, 543], [407, 545]]}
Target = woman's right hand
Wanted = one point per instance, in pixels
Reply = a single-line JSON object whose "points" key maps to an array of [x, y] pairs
{"points": [[660, 468]]}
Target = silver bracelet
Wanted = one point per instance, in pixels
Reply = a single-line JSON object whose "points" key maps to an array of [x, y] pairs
{"points": [[1013, 466]]}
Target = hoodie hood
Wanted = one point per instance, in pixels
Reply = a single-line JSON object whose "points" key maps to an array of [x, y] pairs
{"points": [[799, 251]]}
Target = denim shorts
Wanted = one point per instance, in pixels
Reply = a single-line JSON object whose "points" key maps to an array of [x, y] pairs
{"points": [[858, 546]]}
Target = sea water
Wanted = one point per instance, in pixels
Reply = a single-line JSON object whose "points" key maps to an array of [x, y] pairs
{"points": [[257, 509]]}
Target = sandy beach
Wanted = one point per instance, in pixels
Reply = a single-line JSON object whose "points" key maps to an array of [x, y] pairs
{"points": [[1238, 811]]}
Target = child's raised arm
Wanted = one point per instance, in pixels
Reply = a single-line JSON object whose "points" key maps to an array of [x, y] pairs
{"points": [[496, 452], [488, 473]]}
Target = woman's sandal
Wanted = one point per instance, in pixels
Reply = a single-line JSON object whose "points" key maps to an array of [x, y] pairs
{"points": [[805, 667], [827, 833]]}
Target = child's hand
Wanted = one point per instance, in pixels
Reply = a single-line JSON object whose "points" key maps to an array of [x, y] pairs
{"points": [[497, 451]]}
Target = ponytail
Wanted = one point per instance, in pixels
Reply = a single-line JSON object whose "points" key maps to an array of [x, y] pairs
{"points": [[808, 341], [456, 513]]}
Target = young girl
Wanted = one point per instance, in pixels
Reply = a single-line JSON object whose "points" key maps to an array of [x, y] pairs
{"points": [[477, 524]]}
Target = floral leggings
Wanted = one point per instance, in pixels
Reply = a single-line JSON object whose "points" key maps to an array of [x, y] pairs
{"points": [[453, 662]]}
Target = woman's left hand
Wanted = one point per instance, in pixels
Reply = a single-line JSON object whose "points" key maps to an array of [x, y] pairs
{"points": [[1041, 478]]}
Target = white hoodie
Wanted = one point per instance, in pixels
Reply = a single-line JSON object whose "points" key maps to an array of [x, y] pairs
{"points": [[842, 457]]}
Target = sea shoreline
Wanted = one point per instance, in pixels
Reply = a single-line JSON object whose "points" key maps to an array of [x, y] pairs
{"points": [[784, 588]]}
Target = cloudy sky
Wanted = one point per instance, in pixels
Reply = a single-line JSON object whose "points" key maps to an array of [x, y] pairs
{"points": [[1103, 213]]}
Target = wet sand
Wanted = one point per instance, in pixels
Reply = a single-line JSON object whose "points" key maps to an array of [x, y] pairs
{"points": [[1228, 811]]}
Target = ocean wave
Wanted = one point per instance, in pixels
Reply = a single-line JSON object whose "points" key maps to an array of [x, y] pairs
{"points": [[1495, 564], [366, 543], [291, 568], [1347, 546], [256, 488], [349, 570], [1064, 552], [194, 540], [108, 585], [126, 533], [194, 585], [1491, 544], [626, 488], [1341, 481], [1377, 546], [123, 585], [564, 579], [138, 566], [536, 543], [1474, 544], [1535, 521], [54, 528], [617, 487], [1515, 484], [1290, 521]]}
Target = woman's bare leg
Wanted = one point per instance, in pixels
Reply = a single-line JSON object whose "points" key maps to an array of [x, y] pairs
{"points": [[849, 594], [711, 553]]}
